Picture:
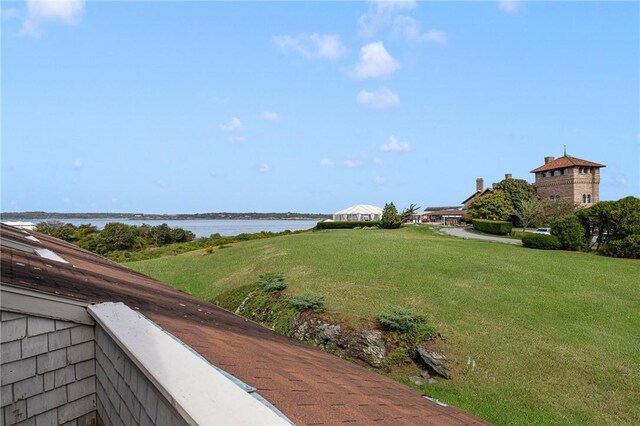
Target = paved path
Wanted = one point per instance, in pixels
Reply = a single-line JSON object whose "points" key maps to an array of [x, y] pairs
{"points": [[464, 233]]}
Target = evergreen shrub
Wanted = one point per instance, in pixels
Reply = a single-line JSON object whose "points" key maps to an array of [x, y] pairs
{"points": [[398, 319], [628, 247], [307, 301], [541, 241], [272, 281], [570, 232], [497, 227]]}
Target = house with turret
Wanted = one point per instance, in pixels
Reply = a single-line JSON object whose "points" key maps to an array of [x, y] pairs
{"points": [[568, 178]]}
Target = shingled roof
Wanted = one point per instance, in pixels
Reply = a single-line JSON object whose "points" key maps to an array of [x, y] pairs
{"points": [[309, 386], [566, 161]]}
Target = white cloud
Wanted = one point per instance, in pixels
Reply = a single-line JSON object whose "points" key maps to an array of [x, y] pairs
{"points": [[394, 145], [314, 46], [375, 61], [412, 30], [263, 168], [77, 164], [380, 99], [234, 124], [380, 14], [270, 116], [510, 6], [379, 180], [236, 139], [621, 179], [325, 162], [352, 163], [378, 161], [9, 13], [68, 12]]}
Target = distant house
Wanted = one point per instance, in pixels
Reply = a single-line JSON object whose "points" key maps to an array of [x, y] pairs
{"points": [[360, 212], [86, 341], [568, 178]]}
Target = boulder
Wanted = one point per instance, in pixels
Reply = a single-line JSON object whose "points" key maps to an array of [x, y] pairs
{"points": [[437, 362]]}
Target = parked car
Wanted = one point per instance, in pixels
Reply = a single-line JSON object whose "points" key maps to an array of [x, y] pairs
{"points": [[546, 231]]}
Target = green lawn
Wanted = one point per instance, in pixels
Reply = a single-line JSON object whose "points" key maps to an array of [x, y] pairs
{"points": [[555, 336]]}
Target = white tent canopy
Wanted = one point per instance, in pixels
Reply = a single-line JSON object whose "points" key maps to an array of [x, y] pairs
{"points": [[359, 212]]}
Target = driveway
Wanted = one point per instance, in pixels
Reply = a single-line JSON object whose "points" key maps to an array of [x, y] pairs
{"points": [[464, 233]]}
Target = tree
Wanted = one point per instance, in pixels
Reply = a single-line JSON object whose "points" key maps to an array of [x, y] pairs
{"points": [[407, 213], [390, 218], [57, 229], [525, 210], [551, 210], [117, 236], [516, 190], [492, 206]]}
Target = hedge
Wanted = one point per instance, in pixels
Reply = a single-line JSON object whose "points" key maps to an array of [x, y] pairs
{"points": [[570, 232], [628, 247], [541, 241], [347, 225], [497, 227]]}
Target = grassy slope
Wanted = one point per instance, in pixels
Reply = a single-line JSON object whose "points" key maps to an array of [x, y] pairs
{"points": [[554, 335]]}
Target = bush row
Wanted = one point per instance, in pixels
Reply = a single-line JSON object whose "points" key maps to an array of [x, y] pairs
{"points": [[347, 225], [497, 227]]}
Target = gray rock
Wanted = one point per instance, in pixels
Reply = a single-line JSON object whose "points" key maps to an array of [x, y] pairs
{"points": [[369, 347], [425, 374], [327, 333], [415, 380], [432, 381], [437, 362]]}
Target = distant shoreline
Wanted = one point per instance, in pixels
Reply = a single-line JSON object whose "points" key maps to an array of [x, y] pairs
{"points": [[143, 216]]}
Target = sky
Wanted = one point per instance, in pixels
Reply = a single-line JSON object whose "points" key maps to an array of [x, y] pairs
{"points": [[203, 106]]}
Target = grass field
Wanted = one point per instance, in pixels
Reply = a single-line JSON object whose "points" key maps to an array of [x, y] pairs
{"points": [[555, 336]]}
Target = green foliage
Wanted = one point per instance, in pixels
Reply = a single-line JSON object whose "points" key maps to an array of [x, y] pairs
{"points": [[552, 210], [516, 190], [307, 301], [597, 221], [569, 232], [493, 206], [272, 281], [497, 227], [398, 319], [541, 241], [57, 229], [347, 224], [626, 218], [525, 211], [628, 247], [408, 213], [390, 217]]}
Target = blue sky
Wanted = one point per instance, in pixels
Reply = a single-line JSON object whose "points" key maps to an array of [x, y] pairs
{"points": [[187, 107]]}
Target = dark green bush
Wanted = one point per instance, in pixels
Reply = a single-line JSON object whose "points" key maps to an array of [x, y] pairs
{"points": [[541, 241], [272, 281], [396, 318], [570, 232], [347, 225], [497, 227], [307, 301], [628, 247]]}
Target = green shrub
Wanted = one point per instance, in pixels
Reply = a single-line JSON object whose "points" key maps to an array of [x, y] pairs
{"points": [[347, 224], [541, 241], [396, 318], [272, 281], [307, 301], [628, 247], [497, 227], [570, 232]]}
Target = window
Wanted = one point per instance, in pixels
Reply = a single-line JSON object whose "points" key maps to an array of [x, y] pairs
{"points": [[565, 172], [584, 198], [557, 197], [589, 198], [551, 197], [544, 174], [580, 170]]}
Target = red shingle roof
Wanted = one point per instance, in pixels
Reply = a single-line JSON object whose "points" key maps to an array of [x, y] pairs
{"points": [[309, 386], [566, 161]]}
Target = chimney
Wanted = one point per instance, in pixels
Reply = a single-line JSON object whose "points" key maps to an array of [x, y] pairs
{"points": [[547, 160], [479, 184], [507, 175]]}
